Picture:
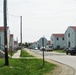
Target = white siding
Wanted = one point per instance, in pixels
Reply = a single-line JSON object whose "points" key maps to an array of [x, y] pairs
{"points": [[12, 42], [2, 39], [55, 42], [70, 39]]}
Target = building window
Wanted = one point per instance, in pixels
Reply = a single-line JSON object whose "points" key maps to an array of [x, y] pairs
{"points": [[68, 44], [63, 38], [68, 34], [57, 38]]}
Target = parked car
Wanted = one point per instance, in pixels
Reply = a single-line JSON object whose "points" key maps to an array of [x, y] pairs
{"points": [[71, 50], [42, 48], [48, 49], [36, 48]]}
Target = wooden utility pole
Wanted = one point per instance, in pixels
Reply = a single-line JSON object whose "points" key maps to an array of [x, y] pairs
{"points": [[5, 33], [21, 32], [43, 50]]}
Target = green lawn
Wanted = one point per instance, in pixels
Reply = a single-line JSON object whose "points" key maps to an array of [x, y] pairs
{"points": [[60, 51], [25, 54], [26, 67]]}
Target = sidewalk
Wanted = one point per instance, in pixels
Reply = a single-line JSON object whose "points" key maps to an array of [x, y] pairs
{"points": [[17, 54]]}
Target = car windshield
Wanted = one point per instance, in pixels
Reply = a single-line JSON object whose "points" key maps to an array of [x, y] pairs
{"points": [[71, 48]]}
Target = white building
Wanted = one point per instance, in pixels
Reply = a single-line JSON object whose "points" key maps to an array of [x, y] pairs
{"points": [[11, 42], [2, 37], [42, 41], [16, 45], [35, 45], [70, 37], [57, 41]]}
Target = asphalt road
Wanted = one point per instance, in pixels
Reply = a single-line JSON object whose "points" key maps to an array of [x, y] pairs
{"points": [[60, 57]]}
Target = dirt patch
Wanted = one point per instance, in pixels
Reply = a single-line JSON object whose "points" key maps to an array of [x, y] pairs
{"points": [[61, 69]]}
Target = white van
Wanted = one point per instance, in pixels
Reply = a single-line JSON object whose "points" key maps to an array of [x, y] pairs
{"points": [[48, 48]]}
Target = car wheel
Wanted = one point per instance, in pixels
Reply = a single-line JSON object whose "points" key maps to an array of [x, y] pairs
{"points": [[72, 53], [67, 53]]}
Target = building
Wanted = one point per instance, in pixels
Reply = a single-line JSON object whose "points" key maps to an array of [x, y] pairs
{"points": [[34, 45], [2, 37], [70, 37], [11, 42], [57, 41], [16, 45], [49, 42]]}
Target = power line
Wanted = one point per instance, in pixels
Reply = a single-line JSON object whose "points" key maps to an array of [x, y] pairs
{"points": [[9, 14], [13, 15], [73, 22]]}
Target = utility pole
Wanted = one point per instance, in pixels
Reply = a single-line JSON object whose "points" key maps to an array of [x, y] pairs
{"points": [[21, 32], [5, 33], [43, 50]]}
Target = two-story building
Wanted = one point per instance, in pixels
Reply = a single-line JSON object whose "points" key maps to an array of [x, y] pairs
{"points": [[11, 42], [70, 37], [57, 41], [16, 45], [2, 37]]}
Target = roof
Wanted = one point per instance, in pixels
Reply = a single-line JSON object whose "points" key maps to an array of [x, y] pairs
{"points": [[58, 35], [73, 27], [2, 28]]}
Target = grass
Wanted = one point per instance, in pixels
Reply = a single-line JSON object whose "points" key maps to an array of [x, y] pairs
{"points": [[26, 67], [25, 54], [60, 51]]}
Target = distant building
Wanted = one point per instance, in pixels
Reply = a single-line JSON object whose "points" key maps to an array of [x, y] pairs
{"points": [[70, 37], [11, 42], [48, 42], [57, 41], [2, 37], [16, 45], [35, 45]]}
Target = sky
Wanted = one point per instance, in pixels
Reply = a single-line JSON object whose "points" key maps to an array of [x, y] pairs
{"points": [[39, 17]]}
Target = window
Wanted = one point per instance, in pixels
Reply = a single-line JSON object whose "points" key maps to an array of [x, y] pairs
{"points": [[68, 34], [57, 38], [68, 44]]}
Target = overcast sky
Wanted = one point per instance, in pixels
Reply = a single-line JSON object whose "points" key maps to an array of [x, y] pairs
{"points": [[40, 17]]}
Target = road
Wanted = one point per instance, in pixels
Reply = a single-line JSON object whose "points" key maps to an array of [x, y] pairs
{"points": [[60, 57]]}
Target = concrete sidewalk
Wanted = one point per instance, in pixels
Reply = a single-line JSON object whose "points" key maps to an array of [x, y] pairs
{"points": [[17, 54]]}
